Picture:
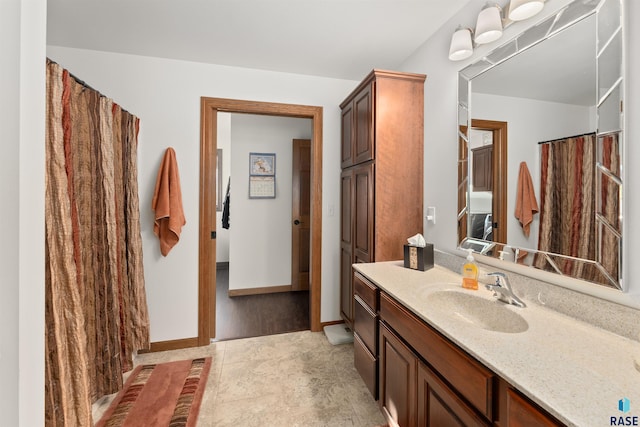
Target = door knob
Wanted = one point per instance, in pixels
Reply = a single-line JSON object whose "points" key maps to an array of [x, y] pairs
{"points": [[296, 222]]}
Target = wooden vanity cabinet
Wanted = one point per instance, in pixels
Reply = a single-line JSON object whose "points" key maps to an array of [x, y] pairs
{"points": [[426, 380], [450, 387], [382, 172], [411, 394]]}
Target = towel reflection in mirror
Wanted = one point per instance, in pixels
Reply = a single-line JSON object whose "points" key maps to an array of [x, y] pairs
{"points": [[526, 203]]}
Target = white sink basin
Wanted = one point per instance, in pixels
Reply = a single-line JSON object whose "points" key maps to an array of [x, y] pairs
{"points": [[487, 314]]}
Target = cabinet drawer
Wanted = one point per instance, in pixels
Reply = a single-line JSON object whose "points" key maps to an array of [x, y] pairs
{"points": [[472, 380], [366, 365], [365, 323], [367, 291]]}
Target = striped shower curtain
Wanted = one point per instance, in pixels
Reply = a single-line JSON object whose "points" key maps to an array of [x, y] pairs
{"points": [[568, 206], [609, 205], [96, 310]]}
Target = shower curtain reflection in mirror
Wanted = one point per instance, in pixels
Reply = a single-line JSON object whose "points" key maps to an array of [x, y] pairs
{"points": [[608, 204], [571, 214]]}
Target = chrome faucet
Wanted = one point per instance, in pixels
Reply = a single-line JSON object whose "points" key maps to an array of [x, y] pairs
{"points": [[502, 290]]}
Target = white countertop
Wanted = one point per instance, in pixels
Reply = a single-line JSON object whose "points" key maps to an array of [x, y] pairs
{"points": [[574, 370]]}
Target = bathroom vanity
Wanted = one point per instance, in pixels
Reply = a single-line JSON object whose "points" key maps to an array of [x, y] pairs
{"points": [[435, 354]]}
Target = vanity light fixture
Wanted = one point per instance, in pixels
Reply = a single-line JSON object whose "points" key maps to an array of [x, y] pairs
{"points": [[489, 24], [461, 44], [520, 10]]}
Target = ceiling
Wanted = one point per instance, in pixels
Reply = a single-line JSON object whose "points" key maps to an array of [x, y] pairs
{"points": [[560, 69], [332, 38]]}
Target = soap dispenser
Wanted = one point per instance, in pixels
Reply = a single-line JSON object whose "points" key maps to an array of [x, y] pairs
{"points": [[470, 273]]}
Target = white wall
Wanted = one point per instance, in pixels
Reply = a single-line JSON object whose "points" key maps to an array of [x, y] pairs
{"points": [[165, 94], [441, 130], [260, 229], [529, 122], [10, 195], [22, 116]]}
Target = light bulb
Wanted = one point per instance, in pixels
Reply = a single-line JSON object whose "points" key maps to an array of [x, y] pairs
{"points": [[489, 25], [520, 10], [461, 45]]}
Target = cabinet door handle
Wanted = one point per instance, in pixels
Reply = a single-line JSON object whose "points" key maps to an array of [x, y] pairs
{"points": [[296, 222]]}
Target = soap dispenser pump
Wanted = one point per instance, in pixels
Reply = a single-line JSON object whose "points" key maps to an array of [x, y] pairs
{"points": [[470, 273]]}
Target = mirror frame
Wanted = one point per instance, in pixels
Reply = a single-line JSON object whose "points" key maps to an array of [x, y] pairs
{"points": [[609, 40]]}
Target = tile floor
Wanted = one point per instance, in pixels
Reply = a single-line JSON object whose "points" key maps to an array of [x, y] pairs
{"points": [[293, 379]]}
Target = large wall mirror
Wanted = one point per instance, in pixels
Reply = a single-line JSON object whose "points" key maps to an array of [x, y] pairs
{"points": [[540, 134]]}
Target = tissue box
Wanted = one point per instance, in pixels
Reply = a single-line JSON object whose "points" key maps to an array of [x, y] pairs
{"points": [[418, 258]]}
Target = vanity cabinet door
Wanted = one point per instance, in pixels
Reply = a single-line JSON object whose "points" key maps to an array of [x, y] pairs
{"points": [[346, 285], [356, 241], [439, 406], [347, 135], [522, 413], [363, 184], [346, 247], [357, 128], [397, 374], [482, 168], [363, 144]]}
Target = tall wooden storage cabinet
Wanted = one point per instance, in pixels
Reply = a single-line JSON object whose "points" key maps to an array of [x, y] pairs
{"points": [[382, 172]]}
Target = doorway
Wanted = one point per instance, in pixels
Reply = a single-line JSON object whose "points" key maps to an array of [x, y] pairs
{"points": [[207, 227], [488, 164]]}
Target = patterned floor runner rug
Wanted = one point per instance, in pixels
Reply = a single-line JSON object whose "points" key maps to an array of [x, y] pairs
{"points": [[163, 394]]}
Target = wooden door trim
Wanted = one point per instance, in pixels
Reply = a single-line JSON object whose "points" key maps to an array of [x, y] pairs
{"points": [[499, 166], [209, 107]]}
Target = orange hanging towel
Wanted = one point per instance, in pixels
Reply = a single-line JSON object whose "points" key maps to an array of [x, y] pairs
{"points": [[526, 204], [167, 203]]}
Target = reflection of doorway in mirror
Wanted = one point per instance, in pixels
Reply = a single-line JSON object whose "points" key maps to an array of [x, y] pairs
{"points": [[481, 193], [488, 180]]}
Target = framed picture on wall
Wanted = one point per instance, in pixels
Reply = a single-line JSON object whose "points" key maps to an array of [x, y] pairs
{"points": [[262, 164]]}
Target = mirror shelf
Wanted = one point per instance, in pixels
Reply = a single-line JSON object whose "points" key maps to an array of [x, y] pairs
{"points": [[593, 247]]}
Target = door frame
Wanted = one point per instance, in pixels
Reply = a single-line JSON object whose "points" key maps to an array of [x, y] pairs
{"points": [[499, 171], [209, 107]]}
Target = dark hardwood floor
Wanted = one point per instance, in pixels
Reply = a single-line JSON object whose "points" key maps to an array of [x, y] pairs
{"points": [[258, 315]]}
